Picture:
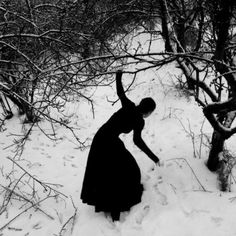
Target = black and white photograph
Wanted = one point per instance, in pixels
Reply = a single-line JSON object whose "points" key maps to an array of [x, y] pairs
{"points": [[117, 118]]}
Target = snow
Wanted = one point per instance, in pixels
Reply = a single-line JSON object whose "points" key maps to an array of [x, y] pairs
{"points": [[181, 197]]}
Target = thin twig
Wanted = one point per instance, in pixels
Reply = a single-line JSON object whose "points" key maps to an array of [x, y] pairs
{"points": [[21, 213], [27, 200], [35, 179], [72, 218], [10, 194], [181, 158]]}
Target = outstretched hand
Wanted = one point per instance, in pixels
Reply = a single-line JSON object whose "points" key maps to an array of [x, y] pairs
{"points": [[154, 166], [158, 163]]}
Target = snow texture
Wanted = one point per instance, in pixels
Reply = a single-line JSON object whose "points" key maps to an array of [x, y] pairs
{"points": [[181, 197]]}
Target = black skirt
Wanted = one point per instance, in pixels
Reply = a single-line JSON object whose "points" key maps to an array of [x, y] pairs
{"points": [[112, 180]]}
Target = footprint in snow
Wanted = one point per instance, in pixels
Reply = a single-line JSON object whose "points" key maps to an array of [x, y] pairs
{"points": [[142, 214], [217, 220], [159, 180], [161, 197]]}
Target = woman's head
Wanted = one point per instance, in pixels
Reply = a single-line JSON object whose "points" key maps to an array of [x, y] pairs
{"points": [[146, 106]]}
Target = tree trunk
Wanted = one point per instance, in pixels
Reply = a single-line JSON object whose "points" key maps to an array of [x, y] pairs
{"points": [[217, 143], [30, 116], [217, 146], [164, 25], [190, 84]]}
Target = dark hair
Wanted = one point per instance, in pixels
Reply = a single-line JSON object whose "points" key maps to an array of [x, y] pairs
{"points": [[147, 105]]}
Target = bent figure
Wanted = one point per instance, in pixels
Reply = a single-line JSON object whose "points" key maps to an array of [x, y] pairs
{"points": [[112, 180]]}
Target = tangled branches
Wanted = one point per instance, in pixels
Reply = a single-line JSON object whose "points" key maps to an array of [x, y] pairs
{"points": [[28, 190]]}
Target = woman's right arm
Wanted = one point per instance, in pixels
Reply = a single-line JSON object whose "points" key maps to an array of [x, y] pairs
{"points": [[120, 90]]}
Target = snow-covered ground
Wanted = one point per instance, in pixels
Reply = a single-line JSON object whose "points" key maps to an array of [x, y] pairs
{"points": [[181, 197]]}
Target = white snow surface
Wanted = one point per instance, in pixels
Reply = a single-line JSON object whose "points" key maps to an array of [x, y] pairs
{"points": [[181, 198]]}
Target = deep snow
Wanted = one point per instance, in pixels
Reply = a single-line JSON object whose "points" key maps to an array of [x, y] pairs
{"points": [[181, 197]]}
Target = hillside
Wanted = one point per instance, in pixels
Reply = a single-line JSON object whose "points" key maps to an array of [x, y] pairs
{"points": [[181, 197]]}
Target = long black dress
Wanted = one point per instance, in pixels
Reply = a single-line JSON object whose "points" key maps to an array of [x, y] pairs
{"points": [[112, 177]]}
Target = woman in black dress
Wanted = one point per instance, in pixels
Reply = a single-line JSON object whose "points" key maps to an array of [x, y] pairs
{"points": [[112, 177]]}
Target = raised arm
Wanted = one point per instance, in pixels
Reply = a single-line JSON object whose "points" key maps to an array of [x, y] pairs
{"points": [[120, 90], [142, 145]]}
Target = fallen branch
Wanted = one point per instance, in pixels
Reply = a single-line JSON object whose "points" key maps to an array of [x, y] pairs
{"points": [[12, 192], [45, 186], [5, 203], [21, 213]]}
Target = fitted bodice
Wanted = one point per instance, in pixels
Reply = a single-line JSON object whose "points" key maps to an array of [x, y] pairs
{"points": [[125, 120]]}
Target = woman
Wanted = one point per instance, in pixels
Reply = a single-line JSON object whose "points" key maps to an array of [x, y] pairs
{"points": [[112, 177]]}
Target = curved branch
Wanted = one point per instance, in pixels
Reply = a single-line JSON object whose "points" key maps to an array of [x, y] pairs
{"points": [[11, 62], [120, 13], [47, 5], [227, 132], [199, 83], [217, 108], [127, 55]]}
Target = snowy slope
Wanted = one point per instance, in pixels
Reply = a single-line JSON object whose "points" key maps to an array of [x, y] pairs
{"points": [[181, 197]]}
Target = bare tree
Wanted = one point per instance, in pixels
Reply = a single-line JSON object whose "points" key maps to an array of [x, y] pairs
{"points": [[208, 63]]}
